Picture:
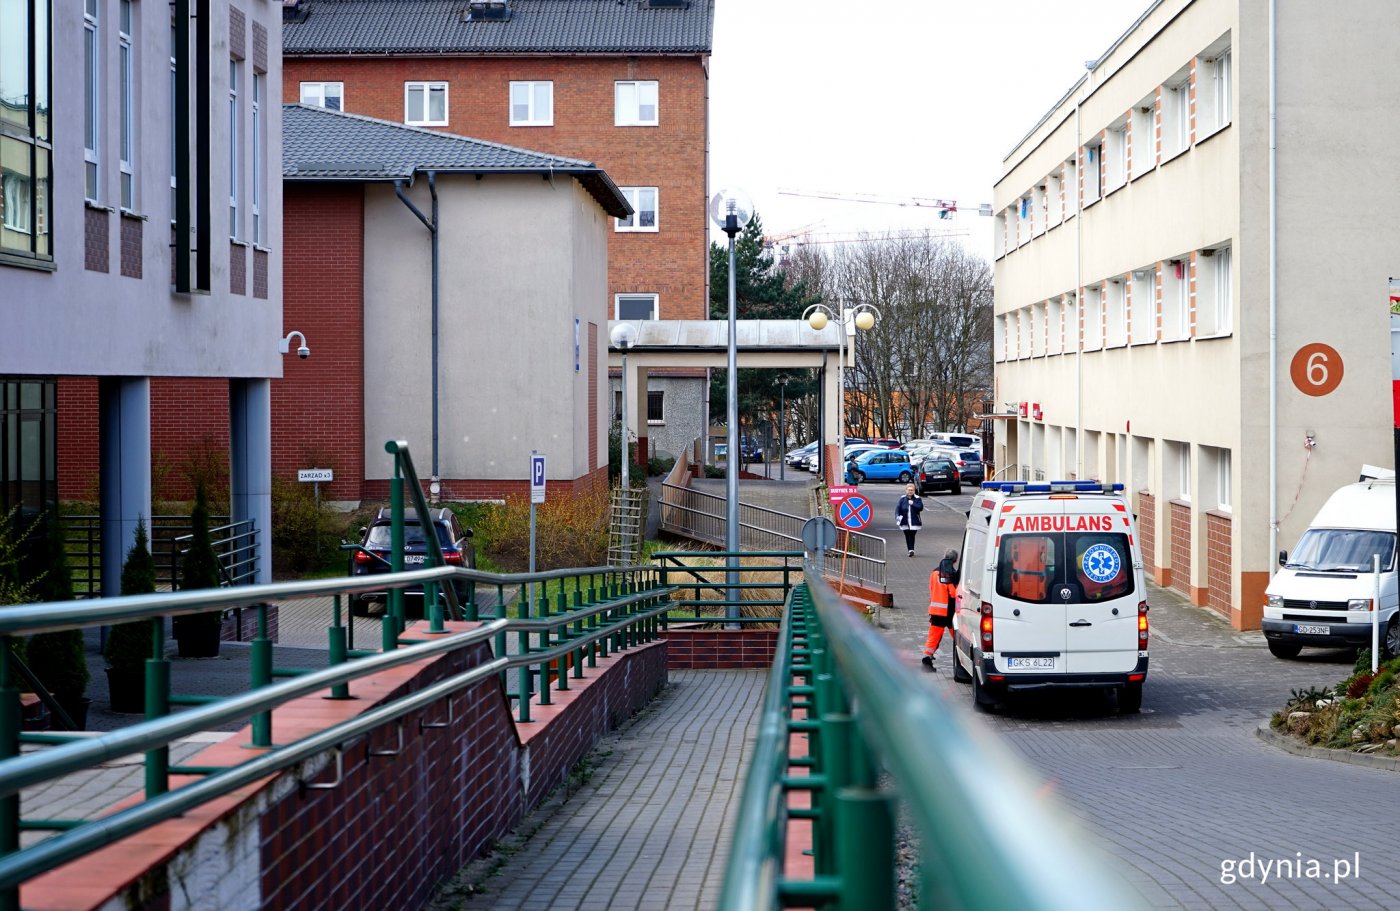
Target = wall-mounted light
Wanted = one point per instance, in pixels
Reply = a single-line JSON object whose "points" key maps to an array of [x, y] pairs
{"points": [[285, 345]]}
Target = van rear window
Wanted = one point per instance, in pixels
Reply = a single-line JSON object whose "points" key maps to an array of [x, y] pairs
{"points": [[1064, 568]]}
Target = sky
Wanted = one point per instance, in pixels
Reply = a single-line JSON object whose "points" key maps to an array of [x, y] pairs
{"points": [[896, 98]]}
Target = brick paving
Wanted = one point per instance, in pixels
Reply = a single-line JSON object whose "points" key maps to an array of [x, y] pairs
{"points": [[1175, 791], [651, 828]]}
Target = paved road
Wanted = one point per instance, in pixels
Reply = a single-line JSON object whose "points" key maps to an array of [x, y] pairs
{"points": [[1184, 787]]}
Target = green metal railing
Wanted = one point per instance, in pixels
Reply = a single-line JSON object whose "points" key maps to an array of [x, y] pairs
{"points": [[771, 574], [877, 733]]}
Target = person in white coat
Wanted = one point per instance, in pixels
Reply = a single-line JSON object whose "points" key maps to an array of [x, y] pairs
{"points": [[909, 515]]}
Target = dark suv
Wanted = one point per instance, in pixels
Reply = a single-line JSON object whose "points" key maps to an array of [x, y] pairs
{"points": [[454, 540]]}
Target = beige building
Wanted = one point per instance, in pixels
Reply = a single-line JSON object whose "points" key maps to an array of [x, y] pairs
{"points": [[1181, 311]]}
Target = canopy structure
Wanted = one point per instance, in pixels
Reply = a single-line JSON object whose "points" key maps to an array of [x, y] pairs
{"points": [[772, 343]]}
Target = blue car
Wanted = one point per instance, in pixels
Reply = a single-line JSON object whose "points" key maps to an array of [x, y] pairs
{"points": [[884, 465]]}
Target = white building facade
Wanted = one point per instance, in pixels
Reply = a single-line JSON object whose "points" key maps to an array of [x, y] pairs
{"points": [[141, 234], [1177, 314]]}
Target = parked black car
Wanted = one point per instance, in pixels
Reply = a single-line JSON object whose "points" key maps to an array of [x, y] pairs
{"points": [[454, 540], [969, 462], [939, 473]]}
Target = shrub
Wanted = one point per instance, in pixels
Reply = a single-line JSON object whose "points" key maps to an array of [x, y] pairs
{"points": [[129, 644], [15, 538], [1358, 683], [302, 538], [659, 466], [570, 530], [714, 472], [636, 474], [199, 568], [57, 659]]}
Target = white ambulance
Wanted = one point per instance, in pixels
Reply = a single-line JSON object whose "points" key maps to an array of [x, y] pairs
{"points": [[1052, 592]]}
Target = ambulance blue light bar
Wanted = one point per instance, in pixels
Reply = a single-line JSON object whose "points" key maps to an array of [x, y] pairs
{"points": [[1052, 487]]}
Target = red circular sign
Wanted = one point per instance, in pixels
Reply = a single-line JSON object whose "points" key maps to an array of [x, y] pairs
{"points": [[1316, 369]]}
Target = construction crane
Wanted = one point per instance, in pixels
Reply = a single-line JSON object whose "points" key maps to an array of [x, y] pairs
{"points": [[947, 208]]}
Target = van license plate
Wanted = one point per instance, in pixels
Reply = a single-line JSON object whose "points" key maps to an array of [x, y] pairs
{"points": [[1040, 664], [412, 558], [1310, 629]]}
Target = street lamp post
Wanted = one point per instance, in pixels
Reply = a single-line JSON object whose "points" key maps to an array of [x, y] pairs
{"points": [[782, 427], [731, 210], [849, 318]]}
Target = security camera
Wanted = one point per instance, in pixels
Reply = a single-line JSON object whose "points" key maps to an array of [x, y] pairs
{"points": [[285, 345], [303, 352]]}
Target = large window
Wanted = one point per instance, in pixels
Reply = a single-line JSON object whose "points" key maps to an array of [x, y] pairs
{"points": [[635, 306], [1065, 568], [656, 410], [258, 169], [425, 104], [635, 104], [531, 104], [234, 159], [26, 151], [329, 95], [92, 109], [28, 440], [128, 105], [644, 205]]}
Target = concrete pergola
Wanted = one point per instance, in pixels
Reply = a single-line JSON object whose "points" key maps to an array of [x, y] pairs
{"points": [[773, 343]]}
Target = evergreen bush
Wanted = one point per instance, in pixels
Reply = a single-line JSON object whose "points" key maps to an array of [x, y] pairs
{"points": [[129, 644], [57, 659], [199, 568]]}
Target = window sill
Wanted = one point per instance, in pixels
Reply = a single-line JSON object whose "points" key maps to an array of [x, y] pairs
{"points": [[629, 124], [1221, 512], [23, 261], [1215, 131], [1115, 189], [133, 215], [637, 230], [1138, 175], [425, 123], [1167, 159], [651, 423], [523, 124], [1173, 341], [1180, 501], [1213, 337], [238, 243], [261, 249], [1151, 341], [1093, 202], [97, 206]]}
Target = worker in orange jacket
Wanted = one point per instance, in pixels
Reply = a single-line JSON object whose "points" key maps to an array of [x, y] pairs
{"points": [[942, 597]]}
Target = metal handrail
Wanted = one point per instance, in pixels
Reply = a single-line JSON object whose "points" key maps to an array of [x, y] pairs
{"points": [[989, 837], [864, 555]]}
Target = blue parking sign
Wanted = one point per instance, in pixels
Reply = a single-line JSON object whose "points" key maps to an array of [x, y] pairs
{"points": [[536, 477]]}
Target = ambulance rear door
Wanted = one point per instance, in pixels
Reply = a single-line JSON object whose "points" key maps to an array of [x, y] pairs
{"points": [[1099, 586], [1029, 618]]}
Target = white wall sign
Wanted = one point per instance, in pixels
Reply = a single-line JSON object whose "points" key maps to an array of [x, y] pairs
{"points": [[316, 474]]}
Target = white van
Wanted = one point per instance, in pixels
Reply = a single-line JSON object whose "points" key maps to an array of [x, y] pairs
{"points": [[1322, 594], [1052, 592]]}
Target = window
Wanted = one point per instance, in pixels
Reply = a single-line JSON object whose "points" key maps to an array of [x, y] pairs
{"points": [[1222, 479], [532, 104], [25, 147], [1054, 201], [1093, 318], [1116, 155], [128, 125], [1181, 454], [635, 104], [1071, 196], [91, 87], [258, 168], [1142, 150], [234, 138], [1115, 315], [1024, 221], [425, 104], [643, 202], [1093, 164], [635, 306], [1030, 568], [999, 338], [328, 95], [1222, 78], [1143, 306], [1055, 333], [1176, 303], [1040, 215], [656, 413], [174, 151], [1176, 115], [1214, 292]]}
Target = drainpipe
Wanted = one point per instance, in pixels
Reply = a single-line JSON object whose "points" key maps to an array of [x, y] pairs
{"points": [[1078, 289], [1273, 287], [434, 485]]}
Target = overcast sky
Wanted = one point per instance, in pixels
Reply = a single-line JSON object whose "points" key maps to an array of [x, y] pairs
{"points": [[899, 98]]}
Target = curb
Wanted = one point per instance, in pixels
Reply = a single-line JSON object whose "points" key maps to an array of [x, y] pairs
{"points": [[1289, 745]]}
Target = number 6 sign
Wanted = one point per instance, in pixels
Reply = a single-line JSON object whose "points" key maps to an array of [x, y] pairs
{"points": [[1316, 369]]}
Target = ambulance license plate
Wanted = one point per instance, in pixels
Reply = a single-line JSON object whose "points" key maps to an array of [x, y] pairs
{"points": [[412, 558], [1039, 664], [1311, 629]]}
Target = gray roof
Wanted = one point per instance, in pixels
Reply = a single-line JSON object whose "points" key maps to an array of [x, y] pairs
{"points": [[534, 27], [323, 145]]}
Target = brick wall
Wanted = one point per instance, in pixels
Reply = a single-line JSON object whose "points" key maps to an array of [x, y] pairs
{"points": [[1180, 542], [1219, 564], [720, 649], [393, 826], [673, 262], [318, 414], [1147, 527]]}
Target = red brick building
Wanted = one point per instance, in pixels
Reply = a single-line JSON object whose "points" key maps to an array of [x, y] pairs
{"points": [[621, 84]]}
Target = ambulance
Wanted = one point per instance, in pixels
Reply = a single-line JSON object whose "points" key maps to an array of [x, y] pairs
{"points": [[1052, 592]]}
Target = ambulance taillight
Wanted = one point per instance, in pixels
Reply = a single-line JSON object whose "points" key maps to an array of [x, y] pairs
{"points": [[1142, 626], [986, 626]]}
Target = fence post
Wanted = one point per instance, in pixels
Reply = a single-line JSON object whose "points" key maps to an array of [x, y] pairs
{"points": [[864, 848], [339, 652], [10, 723], [262, 676], [157, 706]]}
